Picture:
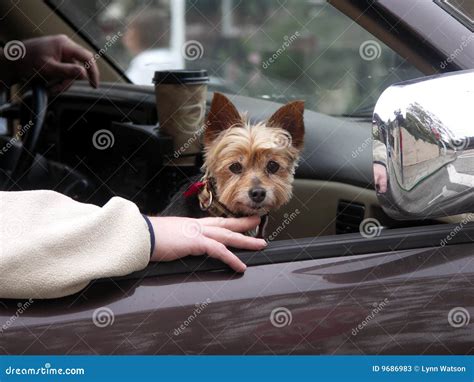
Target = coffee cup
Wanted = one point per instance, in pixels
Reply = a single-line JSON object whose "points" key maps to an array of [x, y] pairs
{"points": [[181, 106]]}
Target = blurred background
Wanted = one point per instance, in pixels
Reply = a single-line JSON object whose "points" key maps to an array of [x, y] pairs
{"points": [[277, 50]]}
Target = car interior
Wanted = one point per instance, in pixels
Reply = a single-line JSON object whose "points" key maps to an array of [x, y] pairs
{"points": [[333, 189]]}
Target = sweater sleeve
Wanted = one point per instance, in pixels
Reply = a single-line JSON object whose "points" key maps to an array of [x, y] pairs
{"points": [[52, 246]]}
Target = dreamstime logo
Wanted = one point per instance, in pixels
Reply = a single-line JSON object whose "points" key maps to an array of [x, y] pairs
{"points": [[103, 139], [190, 142], [280, 317], [22, 307], [47, 369], [458, 317], [359, 150], [288, 218], [281, 139], [14, 50], [458, 228], [465, 41], [370, 50], [377, 308], [109, 42], [20, 133], [192, 50], [103, 317], [199, 308], [370, 228], [460, 144], [287, 41], [12, 229], [191, 229], [190, 117]]}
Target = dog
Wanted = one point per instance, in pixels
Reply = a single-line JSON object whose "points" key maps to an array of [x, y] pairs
{"points": [[248, 168]]}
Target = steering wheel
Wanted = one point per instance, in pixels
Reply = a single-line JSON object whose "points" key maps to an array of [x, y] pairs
{"points": [[32, 122]]}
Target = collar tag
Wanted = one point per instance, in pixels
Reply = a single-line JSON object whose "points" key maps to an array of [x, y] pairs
{"points": [[205, 199]]}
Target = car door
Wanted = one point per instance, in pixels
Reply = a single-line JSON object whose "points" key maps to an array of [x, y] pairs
{"points": [[302, 297], [310, 292]]}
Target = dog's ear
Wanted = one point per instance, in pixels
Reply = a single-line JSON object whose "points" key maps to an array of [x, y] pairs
{"points": [[290, 118], [222, 115]]}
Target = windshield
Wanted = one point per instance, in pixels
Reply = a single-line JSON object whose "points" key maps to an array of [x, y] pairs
{"points": [[265, 49]]}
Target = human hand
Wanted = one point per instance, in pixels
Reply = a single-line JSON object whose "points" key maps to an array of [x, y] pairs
{"points": [[177, 237], [380, 178], [56, 60]]}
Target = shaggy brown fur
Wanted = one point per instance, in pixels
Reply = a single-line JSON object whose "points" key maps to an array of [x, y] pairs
{"points": [[250, 166], [264, 155]]}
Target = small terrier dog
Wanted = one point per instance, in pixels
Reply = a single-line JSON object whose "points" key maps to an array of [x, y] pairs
{"points": [[248, 168]]}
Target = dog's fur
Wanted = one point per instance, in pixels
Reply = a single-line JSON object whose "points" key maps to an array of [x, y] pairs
{"points": [[243, 161]]}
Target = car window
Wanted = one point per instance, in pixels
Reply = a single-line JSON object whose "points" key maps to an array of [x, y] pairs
{"points": [[461, 10], [266, 49]]}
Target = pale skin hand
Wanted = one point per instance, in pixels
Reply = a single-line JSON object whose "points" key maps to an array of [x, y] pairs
{"points": [[380, 178], [59, 61], [56, 60], [177, 237]]}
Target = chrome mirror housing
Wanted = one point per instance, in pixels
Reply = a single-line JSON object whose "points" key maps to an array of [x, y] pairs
{"points": [[423, 147]]}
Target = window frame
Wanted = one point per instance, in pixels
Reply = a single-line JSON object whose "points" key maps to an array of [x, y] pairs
{"points": [[456, 13], [313, 248]]}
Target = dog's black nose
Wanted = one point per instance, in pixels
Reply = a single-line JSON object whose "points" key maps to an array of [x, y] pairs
{"points": [[257, 194]]}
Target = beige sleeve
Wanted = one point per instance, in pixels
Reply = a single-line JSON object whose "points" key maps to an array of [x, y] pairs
{"points": [[52, 246]]}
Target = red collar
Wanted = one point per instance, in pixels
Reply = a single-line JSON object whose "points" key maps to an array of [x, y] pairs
{"points": [[194, 189], [215, 208]]}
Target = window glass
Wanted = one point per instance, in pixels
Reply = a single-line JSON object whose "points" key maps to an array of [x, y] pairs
{"points": [[266, 49]]}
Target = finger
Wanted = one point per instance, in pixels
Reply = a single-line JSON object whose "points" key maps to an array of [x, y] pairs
{"points": [[234, 224], [64, 71], [93, 72], [73, 51], [234, 239], [219, 251], [381, 184]]}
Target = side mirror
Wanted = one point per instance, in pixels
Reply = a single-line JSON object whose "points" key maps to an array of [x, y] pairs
{"points": [[423, 147]]}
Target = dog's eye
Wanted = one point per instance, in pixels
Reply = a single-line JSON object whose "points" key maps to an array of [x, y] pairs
{"points": [[272, 167], [236, 168]]}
